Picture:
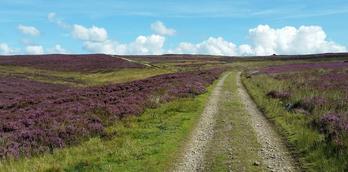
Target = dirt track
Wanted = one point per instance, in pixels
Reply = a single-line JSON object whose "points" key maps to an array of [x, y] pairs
{"points": [[194, 151], [273, 152]]}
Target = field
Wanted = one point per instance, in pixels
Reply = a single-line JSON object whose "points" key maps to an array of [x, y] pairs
{"points": [[77, 63], [308, 102], [141, 113]]}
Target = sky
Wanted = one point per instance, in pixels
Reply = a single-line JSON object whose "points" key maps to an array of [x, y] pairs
{"points": [[219, 27]]}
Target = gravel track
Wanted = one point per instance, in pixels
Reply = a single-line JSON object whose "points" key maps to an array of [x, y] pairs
{"points": [[274, 153], [193, 158]]}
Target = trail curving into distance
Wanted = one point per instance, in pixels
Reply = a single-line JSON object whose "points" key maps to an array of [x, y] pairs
{"points": [[273, 152], [193, 158]]}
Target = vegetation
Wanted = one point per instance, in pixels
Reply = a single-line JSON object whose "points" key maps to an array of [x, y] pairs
{"points": [[77, 63], [35, 123], [136, 115], [80, 79], [136, 143], [309, 107]]}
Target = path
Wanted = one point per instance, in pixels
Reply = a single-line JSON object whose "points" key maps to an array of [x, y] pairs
{"points": [[195, 149], [251, 137], [133, 61]]}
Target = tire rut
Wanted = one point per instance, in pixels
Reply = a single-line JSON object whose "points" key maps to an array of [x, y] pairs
{"points": [[274, 153]]}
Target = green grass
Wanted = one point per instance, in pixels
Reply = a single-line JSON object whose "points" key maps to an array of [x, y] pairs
{"points": [[234, 145], [310, 147], [149, 142], [82, 79]]}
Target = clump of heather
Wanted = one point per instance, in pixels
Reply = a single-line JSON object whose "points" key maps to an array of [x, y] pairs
{"points": [[278, 94], [335, 128], [317, 101], [35, 123], [307, 105]]}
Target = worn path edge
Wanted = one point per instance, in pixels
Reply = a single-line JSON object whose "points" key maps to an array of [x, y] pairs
{"points": [[273, 151]]}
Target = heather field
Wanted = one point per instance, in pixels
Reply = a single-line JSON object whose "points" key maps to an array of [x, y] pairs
{"points": [[34, 123], [308, 103], [77, 63], [150, 113], [47, 110]]}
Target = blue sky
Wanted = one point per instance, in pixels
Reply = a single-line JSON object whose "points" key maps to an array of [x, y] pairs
{"points": [[205, 27]]}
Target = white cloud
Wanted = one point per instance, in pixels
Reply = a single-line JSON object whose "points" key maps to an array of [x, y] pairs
{"points": [[6, 50], [57, 49], [245, 50], [152, 44], [147, 45], [291, 40], [267, 41], [52, 17], [107, 47], [34, 49], [159, 28], [213, 46], [264, 40], [95, 39], [185, 48], [93, 34], [28, 30]]}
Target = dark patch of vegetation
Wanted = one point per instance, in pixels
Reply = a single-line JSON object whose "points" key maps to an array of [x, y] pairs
{"points": [[278, 94]]}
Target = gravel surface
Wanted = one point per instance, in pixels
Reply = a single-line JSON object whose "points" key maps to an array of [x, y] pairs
{"points": [[193, 158], [274, 153]]}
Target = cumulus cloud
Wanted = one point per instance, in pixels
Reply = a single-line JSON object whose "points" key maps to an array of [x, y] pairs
{"points": [[28, 30], [141, 45], [107, 47], [147, 45], [264, 40], [159, 28], [291, 40], [245, 50], [95, 39], [267, 41], [5, 49], [93, 34], [57, 49], [34, 49], [213, 46]]}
